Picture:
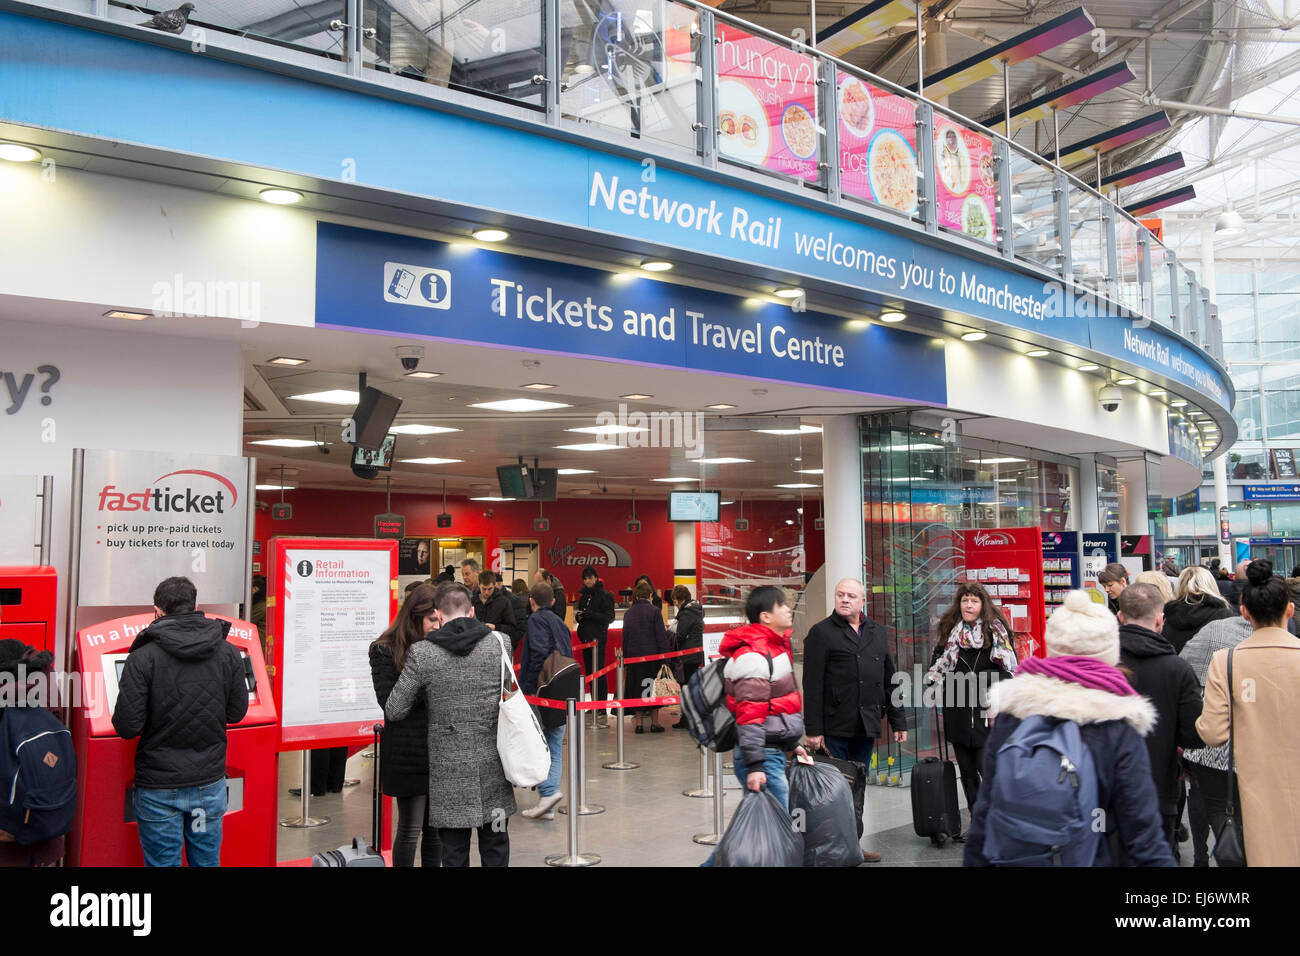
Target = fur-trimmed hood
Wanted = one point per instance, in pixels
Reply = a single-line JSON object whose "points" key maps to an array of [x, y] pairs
{"points": [[1033, 695]]}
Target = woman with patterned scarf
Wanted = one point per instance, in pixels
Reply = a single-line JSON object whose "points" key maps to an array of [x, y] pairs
{"points": [[975, 651]]}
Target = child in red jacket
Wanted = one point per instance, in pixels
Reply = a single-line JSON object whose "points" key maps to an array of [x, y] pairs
{"points": [[762, 693]]}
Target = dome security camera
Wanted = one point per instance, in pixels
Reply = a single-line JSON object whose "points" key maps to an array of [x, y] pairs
{"points": [[410, 356], [1109, 397]]}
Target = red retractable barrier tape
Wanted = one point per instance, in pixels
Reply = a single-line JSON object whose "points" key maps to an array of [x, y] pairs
{"points": [[104, 831]]}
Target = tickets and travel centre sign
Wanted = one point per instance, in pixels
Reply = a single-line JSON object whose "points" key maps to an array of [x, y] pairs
{"points": [[380, 282]]}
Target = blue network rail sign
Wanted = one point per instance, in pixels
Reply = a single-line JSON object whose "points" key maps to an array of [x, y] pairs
{"points": [[402, 285]]}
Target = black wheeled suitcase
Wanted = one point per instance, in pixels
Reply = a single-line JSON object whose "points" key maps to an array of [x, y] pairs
{"points": [[855, 775], [360, 852], [935, 812]]}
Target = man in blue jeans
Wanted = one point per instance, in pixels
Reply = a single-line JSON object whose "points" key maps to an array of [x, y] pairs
{"points": [[182, 684], [545, 633]]}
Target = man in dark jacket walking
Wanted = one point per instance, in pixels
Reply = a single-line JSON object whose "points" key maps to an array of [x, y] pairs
{"points": [[1159, 674], [594, 613], [181, 685], [848, 677], [494, 608]]}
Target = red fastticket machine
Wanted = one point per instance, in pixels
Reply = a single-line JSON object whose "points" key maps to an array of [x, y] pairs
{"points": [[104, 831], [28, 598]]}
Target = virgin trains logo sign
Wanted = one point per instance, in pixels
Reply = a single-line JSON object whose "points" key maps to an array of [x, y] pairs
{"points": [[181, 499], [993, 539], [608, 554]]}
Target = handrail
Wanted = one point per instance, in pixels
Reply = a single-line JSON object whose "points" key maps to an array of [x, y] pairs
{"points": [[830, 169]]}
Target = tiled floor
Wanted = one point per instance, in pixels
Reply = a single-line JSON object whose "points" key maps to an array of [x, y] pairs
{"points": [[647, 820]]}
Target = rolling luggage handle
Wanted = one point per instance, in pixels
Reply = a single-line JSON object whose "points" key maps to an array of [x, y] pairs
{"points": [[377, 797]]}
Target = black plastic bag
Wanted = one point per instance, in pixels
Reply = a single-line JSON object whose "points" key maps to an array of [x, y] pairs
{"points": [[760, 834], [821, 797]]}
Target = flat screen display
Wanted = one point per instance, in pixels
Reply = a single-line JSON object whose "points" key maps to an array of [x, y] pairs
{"points": [[694, 505], [381, 458], [374, 416]]}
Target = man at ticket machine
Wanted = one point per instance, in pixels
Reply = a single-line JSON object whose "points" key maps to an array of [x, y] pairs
{"points": [[182, 684]]}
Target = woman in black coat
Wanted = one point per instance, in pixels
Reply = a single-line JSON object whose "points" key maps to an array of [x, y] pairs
{"points": [[1196, 603], [974, 651], [688, 632], [404, 746], [643, 634]]}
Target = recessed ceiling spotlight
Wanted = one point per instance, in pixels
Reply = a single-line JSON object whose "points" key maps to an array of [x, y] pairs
{"points": [[788, 292], [636, 397], [519, 405], [608, 429], [892, 316], [798, 484], [18, 153], [1178, 403], [576, 471], [491, 235], [1038, 353], [1157, 391], [281, 197], [720, 407], [132, 316], [675, 479], [809, 471], [1126, 381], [537, 386], [431, 461], [656, 265], [589, 446], [1089, 367], [286, 360], [284, 442], [801, 430], [974, 336], [419, 374]]}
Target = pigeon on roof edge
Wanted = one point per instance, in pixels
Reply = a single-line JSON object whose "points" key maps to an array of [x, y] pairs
{"points": [[171, 21]]}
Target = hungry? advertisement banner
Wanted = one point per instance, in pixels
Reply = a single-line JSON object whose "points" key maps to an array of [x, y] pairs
{"points": [[767, 105], [877, 145]]}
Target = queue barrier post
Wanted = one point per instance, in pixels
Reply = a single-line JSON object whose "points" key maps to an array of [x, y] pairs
{"points": [[714, 838], [305, 819], [573, 857], [620, 763], [703, 789], [583, 807]]}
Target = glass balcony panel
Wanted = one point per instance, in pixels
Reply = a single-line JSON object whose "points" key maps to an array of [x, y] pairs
{"points": [[1035, 225], [879, 161]]}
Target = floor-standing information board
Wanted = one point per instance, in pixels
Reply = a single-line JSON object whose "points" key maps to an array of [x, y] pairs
{"points": [[328, 602], [1062, 567], [1009, 563]]}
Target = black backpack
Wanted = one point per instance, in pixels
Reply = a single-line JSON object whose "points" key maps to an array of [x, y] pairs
{"points": [[39, 772], [704, 708]]}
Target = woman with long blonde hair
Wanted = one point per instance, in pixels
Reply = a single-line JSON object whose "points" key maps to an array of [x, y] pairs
{"points": [[1158, 580], [1196, 603]]}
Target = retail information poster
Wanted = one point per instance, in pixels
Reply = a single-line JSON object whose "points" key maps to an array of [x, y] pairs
{"points": [[767, 105], [335, 604], [965, 181], [877, 145]]}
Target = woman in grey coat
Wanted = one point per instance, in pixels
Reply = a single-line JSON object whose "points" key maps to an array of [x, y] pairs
{"points": [[458, 671]]}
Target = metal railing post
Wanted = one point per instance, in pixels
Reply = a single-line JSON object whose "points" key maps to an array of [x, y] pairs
{"points": [[929, 196], [573, 857], [1062, 194], [304, 818], [620, 763], [703, 790], [830, 122], [714, 838], [583, 807], [1147, 292], [708, 116], [551, 53], [1002, 161]]}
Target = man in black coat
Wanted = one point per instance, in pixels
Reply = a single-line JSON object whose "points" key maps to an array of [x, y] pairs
{"points": [[494, 608], [594, 613], [181, 685], [848, 679], [1158, 673]]}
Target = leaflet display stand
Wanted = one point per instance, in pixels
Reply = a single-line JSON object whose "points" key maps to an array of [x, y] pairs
{"points": [[1009, 563], [1099, 550], [328, 600], [1062, 567]]}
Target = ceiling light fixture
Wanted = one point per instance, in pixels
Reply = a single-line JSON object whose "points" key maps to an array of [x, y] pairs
{"points": [[788, 292], [537, 386], [18, 153], [720, 407], [419, 374], [892, 316], [589, 446], [576, 471], [1229, 224], [636, 397], [281, 197], [1038, 353], [519, 405], [797, 484], [974, 336], [656, 265], [275, 487], [1178, 403], [431, 461], [491, 235], [132, 316], [992, 461], [724, 461], [1089, 367], [491, 498], [286, 360], [421, 430], [675, 479], [809, 471], [284, 442], [608, 429], [801, 430], [1126, 381], [336, 396]]}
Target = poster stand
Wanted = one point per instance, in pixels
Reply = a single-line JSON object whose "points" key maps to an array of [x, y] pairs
{"points": [[1009, 563]]}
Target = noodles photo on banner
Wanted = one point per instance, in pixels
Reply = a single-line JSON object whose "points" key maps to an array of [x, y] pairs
{"points": [[877, 145]]}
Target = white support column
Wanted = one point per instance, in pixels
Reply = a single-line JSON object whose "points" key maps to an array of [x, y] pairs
{"points": [[684, 570], [1085, 496], [1134, 520], [842, 485]]}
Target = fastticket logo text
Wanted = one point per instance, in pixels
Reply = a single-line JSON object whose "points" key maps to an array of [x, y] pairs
{"points": [[164, 500]]}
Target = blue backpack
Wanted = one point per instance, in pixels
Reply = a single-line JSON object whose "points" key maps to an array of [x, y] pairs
{"points": [[1042, 808], [39, 773]]}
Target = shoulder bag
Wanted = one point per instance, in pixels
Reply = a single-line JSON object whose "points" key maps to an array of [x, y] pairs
{"points": [[525, 755], [1229, 847]]}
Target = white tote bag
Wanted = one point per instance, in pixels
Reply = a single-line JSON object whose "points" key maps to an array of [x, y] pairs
{"points": [[525, 755]]}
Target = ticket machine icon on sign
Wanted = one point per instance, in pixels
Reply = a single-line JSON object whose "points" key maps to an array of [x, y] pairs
{"points": [[417, 285]]}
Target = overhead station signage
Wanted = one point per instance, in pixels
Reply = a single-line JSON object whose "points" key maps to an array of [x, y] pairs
{"points": [[545, 306]]}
